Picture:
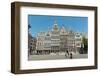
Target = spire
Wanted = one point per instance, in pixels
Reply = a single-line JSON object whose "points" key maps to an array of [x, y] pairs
{"points": [[48, 32], [63, 29], [55, 27], [55, 24]]}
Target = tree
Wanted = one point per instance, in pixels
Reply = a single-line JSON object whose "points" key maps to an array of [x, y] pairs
{"points": [[85, 43]]}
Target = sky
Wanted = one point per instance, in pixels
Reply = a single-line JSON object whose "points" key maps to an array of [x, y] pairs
{"points": [[41, 23]]}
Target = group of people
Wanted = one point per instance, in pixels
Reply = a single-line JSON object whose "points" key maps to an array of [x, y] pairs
{"points": [[70, 55]]}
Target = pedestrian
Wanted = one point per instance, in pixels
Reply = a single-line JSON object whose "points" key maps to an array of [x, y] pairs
{"points": [[71, 55], [67, 52]]}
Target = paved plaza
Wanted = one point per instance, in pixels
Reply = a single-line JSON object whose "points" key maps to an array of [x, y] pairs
{"points": [[56, 56]]}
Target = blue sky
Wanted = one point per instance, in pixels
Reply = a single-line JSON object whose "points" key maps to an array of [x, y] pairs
{"points": [[40, 23]]}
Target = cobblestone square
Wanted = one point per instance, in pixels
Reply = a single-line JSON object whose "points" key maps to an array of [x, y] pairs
{"points": [[57, 56]]}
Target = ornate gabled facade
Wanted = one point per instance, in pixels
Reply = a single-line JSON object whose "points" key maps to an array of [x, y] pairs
{"points": [[71, 41], [40, 42], [47, 42], [55, 38], [58, 40], [63, 40]]}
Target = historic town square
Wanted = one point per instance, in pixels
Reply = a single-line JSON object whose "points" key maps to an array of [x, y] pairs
{"points": [[57, 42]]}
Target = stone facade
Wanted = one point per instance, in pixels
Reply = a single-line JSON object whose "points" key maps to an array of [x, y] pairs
{"points": [[31, 44], [71, 41], [78, 41], [58, 40], [55, 38], [47, 42], [40, 42], [63, 40]]}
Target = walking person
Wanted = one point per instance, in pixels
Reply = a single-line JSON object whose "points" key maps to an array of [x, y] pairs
{"points": [[71, 55], [67, 52]]}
